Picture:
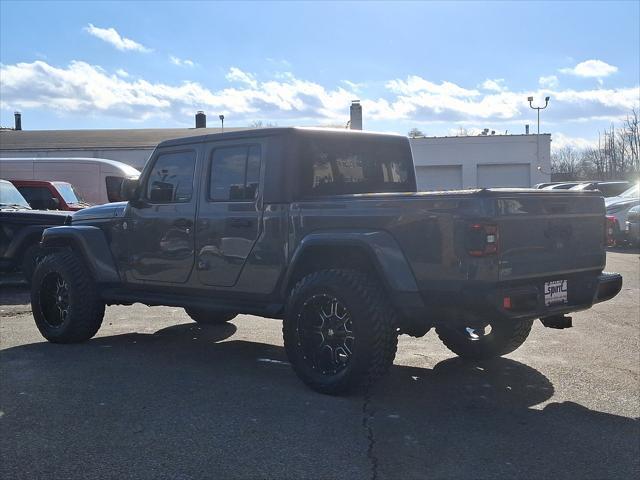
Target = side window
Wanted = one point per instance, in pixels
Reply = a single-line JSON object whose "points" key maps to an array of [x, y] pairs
{"points": [[235, 173], [39, 198], [171, 178]]}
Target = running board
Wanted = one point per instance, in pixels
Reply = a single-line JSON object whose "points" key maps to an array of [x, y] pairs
{"points": [[116, 296]]}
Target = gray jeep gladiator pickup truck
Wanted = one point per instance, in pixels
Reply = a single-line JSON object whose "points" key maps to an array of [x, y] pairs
{"points": [[325, 230]]}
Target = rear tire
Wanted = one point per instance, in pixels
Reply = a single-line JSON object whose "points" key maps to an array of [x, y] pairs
{"points": [[505, 336], [64, 299], [209, 317], [340, 331]]}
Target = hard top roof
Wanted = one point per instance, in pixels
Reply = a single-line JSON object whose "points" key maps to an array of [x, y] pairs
{"points": [[265, 132]]}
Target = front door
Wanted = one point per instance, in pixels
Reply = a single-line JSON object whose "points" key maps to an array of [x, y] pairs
{"points": [[160, 228], [229, 217]]}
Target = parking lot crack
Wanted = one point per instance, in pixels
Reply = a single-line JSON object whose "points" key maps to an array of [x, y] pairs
{"points": [[367, 423]]}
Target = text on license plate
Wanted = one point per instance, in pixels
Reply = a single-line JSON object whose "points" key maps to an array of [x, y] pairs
{"points": [[555, 292]]}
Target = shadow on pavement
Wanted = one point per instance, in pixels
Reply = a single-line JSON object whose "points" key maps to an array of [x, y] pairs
{"points": [[189, 402], [624, 249], [14, 294]]}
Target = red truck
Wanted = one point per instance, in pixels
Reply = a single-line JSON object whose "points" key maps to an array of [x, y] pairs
{"points": [[44, 195]]}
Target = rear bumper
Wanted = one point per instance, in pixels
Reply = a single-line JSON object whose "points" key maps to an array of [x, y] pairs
{"points": [[609, 285], [528, 301], [479, 302]]}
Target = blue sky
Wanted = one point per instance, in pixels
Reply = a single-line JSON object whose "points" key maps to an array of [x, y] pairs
{"points": [[435, 66]]}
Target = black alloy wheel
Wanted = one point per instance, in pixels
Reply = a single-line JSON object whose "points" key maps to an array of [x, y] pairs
{"points": [[496, 338], [340, 331], [325, 333], [65, 301], [54, 299]]}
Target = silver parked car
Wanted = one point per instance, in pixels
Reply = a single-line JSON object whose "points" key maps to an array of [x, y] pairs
{"points": [[619, 207], [632, 226]]}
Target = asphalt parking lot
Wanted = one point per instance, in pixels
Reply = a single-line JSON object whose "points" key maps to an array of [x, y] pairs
{"points": [[155, 396]]}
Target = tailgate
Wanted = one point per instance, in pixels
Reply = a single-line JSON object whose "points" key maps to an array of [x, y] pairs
{"points": [[544, 234]]}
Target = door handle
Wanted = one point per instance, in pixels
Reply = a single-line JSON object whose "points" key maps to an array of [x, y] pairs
{"points": [[240, 222]]}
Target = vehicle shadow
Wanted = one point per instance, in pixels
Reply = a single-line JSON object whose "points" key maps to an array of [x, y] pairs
{"points": [[14, 294], [192, 402], [624, 249]]}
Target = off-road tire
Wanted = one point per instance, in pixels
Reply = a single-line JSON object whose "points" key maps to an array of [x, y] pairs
{"points": [[85, 308], [374, 324], [30, 258], [209, 317], [506, 336]]}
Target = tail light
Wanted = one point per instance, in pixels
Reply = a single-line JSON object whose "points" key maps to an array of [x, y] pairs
{"points": [[610, 231], [482, 239]]}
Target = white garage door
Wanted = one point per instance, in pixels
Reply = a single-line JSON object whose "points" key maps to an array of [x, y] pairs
{"points": [[440, 177], [504, 175]]}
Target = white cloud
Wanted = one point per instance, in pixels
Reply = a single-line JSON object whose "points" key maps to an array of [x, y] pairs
{"points": [[560, 140], [237, 75], [80, 87], [591, 69], [111, 36], [122, 73], [356, 87], [550, 81], [181, 62], [496, 85], [418, 85]]}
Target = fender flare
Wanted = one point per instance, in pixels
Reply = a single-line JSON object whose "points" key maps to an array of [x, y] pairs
{"points": [[388, 259], [24, 237], [90, 243]]}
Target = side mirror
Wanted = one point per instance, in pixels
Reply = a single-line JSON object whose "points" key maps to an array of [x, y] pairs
{"points": [[129, 189]]}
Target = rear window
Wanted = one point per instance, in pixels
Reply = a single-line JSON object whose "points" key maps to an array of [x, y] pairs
{"points": [[347, 166]]}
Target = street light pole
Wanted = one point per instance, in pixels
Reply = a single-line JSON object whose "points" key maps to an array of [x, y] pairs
{"points": [[546, 103]]}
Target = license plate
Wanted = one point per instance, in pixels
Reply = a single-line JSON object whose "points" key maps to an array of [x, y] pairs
{"points": [[555, 292]]}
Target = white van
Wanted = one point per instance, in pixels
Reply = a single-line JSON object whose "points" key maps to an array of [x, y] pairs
{"points": [[97, 180]]}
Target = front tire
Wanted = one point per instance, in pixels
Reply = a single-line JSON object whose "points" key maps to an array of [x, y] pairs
{"points": [[340, 331], [498, 338], [64, 299], [209, 317]]}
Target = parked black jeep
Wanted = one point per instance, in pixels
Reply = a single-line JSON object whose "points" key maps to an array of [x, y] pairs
{"points": [[21, 230], [325, 230]]}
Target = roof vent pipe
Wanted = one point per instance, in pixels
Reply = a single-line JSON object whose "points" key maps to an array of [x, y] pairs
{"points": [[356, 115], [201, 119], [18, 117]]}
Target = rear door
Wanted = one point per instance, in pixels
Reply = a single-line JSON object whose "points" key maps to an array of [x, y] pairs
{"points": [[160, 229], [229, 217]]}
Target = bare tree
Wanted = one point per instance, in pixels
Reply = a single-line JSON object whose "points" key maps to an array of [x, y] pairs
{"points": [[617, 155], [261, 124], [415, 133], [566, 163]]}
